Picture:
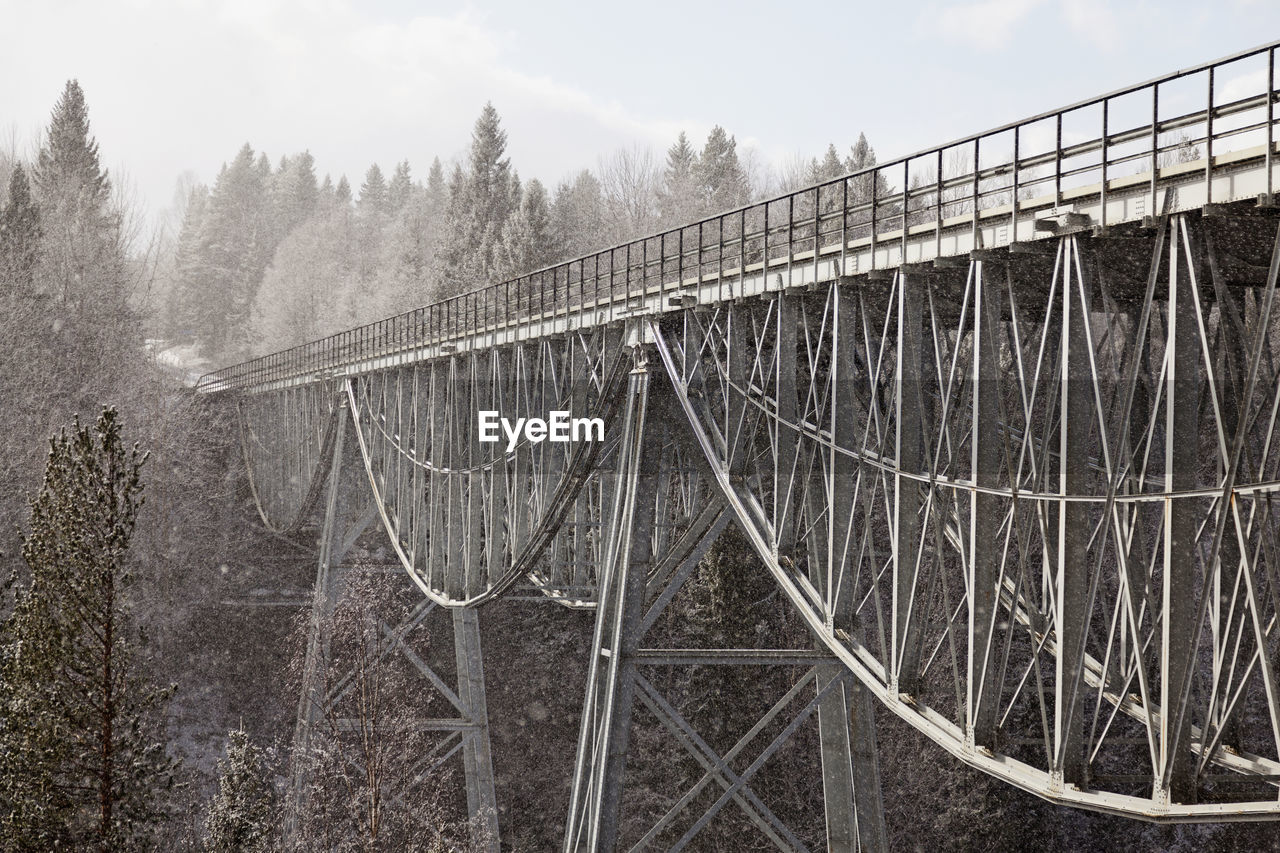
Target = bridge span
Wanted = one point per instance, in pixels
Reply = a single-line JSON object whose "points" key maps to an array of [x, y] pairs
{"points": [[1000, 419]]}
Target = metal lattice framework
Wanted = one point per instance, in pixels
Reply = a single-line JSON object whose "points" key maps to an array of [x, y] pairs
{"points": [[1000, 418]]}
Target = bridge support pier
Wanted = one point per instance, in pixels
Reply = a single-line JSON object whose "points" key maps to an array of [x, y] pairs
{"points": [[462, 717], [635, 586]]}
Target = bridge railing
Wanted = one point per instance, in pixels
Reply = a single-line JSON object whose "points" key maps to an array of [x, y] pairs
{"points": [[1181, 128]]}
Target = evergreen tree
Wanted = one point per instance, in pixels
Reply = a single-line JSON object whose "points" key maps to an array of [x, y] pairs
{"points": [[437, 190], [526, 239], [678, 197], [371, 215], [68, 173], [577, 216], [863, 156], [373, 193], [242, 816], [81, 763], [489, 186], [310, 289], [182, 314], [83, 278], [829, 168], [481, 199], [82, 263], [235, 244], [410, 252], [342, 192], [295, 192], [721, 181], [19, 236], [399, 188]]}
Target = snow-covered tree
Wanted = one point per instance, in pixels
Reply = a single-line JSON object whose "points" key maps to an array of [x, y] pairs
{"points": [[82, 760], [243, 816]]}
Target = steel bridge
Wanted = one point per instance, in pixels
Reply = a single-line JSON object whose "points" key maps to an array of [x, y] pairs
{"points": [[999, 418]]}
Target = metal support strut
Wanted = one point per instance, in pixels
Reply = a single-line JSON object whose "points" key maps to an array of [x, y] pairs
{"points": [[635, 585]]}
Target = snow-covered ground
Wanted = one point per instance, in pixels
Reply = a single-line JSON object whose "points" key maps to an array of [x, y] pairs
{"points": [[183, 360]]}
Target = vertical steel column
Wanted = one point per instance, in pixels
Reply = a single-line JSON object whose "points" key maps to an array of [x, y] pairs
{"points": [[1182, 432], [908, 402], [498, 397], [592, 824], [984, 512], [784, 475], [1073, 522], [846, 722], [477, 758], [838, 784], [441, 488], [519, 530], [345, 518], [473, 581], [873, 836]]}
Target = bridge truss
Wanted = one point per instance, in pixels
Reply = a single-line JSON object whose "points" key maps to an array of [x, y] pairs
{"points": [[1000, 420]]}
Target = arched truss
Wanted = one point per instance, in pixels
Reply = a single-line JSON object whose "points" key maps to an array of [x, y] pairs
{"points": [[468, 519], [287, 437], [1029, 501]]}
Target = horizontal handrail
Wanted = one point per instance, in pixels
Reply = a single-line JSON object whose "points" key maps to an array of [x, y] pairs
{"points": [[882, 203]]}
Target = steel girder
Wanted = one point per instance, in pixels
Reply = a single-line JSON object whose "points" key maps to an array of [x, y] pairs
{"points": [[1042, 488]]}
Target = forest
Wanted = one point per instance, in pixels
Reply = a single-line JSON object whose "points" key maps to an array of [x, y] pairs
{"points": [[151, 630]]}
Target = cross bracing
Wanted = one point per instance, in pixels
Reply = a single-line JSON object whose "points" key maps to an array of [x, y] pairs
{"points": [[1000, 418]]}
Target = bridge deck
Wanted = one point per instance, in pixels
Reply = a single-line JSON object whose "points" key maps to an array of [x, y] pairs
{"points": [[1115, 159]]}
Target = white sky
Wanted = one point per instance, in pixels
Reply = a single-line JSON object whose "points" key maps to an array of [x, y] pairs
{"points": [[177, 85]]}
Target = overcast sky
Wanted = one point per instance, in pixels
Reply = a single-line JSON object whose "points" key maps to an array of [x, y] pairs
{"points": [[178, 85]]}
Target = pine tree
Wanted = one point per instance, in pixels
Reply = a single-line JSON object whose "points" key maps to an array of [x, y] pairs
{"points": [[236, 242], [242, 816], [294, 192], [863, 156], [489, 187], [373, 193], [577, 216], [68, 172], [437, 190], [678, 197], [342, 193], [721, 182], [481, 199], [19, 236], [829, 168], [81, 763], [399, 188], [82, 267], [410, 251], [371, 215], [526, 239], [182, 314]]}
